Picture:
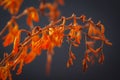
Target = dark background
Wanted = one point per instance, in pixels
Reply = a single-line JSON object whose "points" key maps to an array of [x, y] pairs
{"points": [[105, 10]]}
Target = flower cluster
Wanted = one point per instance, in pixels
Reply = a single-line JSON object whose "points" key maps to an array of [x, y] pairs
{"points": [[48, 37]]}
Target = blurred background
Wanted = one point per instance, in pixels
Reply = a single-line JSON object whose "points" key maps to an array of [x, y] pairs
{"points": [[107, 11]]}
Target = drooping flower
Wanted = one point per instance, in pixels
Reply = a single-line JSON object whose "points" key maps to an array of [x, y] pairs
{"points": [[16, 42], [13, 30], [56, 35], [75, 32], [20, 60], [34, 50], [32, 15]]}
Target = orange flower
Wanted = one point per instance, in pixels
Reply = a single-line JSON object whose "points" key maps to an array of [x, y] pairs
{"points": [[93, 30], [45, 41], [5, 72], [75, 33], [54, 13], [56, 35], [34, 50], [13, 30], [20, 60], [16, 42], [12, 5], [32, 15]]}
